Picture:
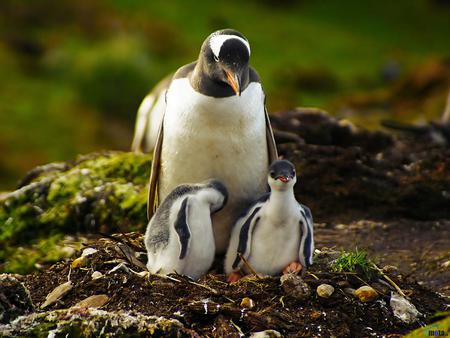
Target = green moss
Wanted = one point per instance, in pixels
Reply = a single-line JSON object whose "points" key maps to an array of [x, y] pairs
{"points": [[97, 193], [24, 259]]}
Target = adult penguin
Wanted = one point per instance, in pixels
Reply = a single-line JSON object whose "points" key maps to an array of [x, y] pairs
{"points": [[215, 124]]}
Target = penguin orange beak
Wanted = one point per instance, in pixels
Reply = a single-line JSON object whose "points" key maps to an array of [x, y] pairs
{"points": [[233, 81]]}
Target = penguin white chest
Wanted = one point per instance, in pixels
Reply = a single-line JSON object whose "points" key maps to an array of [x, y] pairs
{"points": [[223, 138]]}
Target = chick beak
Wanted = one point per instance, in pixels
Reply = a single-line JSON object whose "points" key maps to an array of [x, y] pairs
{"points": [[233, 81], [284, 179]]}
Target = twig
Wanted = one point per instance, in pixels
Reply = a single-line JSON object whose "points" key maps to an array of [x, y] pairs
{"points": [[166, 277], [204, 286], [247, 264], [237, 328], [311, 274], [396, 287]]}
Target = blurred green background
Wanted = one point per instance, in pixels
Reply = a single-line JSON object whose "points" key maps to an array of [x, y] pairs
{"points": [[73, 72]]}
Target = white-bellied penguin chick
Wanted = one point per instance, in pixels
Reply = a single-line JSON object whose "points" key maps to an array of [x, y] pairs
{"points": [[276, 233], [179, 237]]}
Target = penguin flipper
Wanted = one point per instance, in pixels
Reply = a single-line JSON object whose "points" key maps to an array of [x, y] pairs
{"points": [[142, 123], [307, 236], [245, 237], [152, 201], [182, 227], [149, 117], [271, 145]]}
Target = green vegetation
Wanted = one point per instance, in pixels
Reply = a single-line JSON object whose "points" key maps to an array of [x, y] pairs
{"points": [[24, 259], [354, 261], [74, 74]]}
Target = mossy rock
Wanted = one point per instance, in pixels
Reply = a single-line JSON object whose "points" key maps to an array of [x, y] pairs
{"points": [[74, 197], [85, 322]]}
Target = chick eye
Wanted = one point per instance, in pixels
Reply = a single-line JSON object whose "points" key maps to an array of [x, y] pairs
{"points": [[216, 58]]}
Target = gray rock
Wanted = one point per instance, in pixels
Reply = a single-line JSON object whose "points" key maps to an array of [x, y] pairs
{"points": [[295, 287], [15, 299]]}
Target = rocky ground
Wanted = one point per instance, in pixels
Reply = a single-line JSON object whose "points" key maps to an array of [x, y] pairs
{"points": [[387, 194]]}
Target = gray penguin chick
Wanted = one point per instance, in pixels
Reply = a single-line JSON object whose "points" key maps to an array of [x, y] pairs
{"points": [[179, 237], [275, 234]]}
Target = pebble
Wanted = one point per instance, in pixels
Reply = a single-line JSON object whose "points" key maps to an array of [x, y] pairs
{"points": [[88, 252], [325, 290], [96, 275], [343, 284], [79, 262], [350, 291], [295, 287], [266, 334], [366, 294], [247, 303]]}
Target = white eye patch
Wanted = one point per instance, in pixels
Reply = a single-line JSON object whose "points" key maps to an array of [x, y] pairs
{"points": [[217, 41]]}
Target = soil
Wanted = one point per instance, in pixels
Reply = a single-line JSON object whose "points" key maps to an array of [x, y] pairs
{"points": [[212, 307]]}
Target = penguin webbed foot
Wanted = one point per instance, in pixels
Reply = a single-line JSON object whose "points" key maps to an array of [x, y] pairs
{"points": [[293, 267], [234, 276]]}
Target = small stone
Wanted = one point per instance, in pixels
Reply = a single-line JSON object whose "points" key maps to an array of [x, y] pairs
{"points": [[88, 252], [295, 287], [79, 262], [94, 301], [325, 290], [403, 309], [96, 275], [366, 294], [266, 334], [247, 303], [350, 291], [343, 284]]}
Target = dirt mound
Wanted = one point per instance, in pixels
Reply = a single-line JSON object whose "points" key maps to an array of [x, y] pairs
{"points": [[212, 306]]}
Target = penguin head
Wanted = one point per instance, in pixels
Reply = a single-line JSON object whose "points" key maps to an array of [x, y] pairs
{"points": [[221, 194], [282, 175], [224, 59]]}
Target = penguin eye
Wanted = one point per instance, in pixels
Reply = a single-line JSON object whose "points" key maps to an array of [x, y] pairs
{"points": [[272, 174], [216, 58]]}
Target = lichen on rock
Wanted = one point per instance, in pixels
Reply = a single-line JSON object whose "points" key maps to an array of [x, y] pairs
{"points": [[88, 322]]}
